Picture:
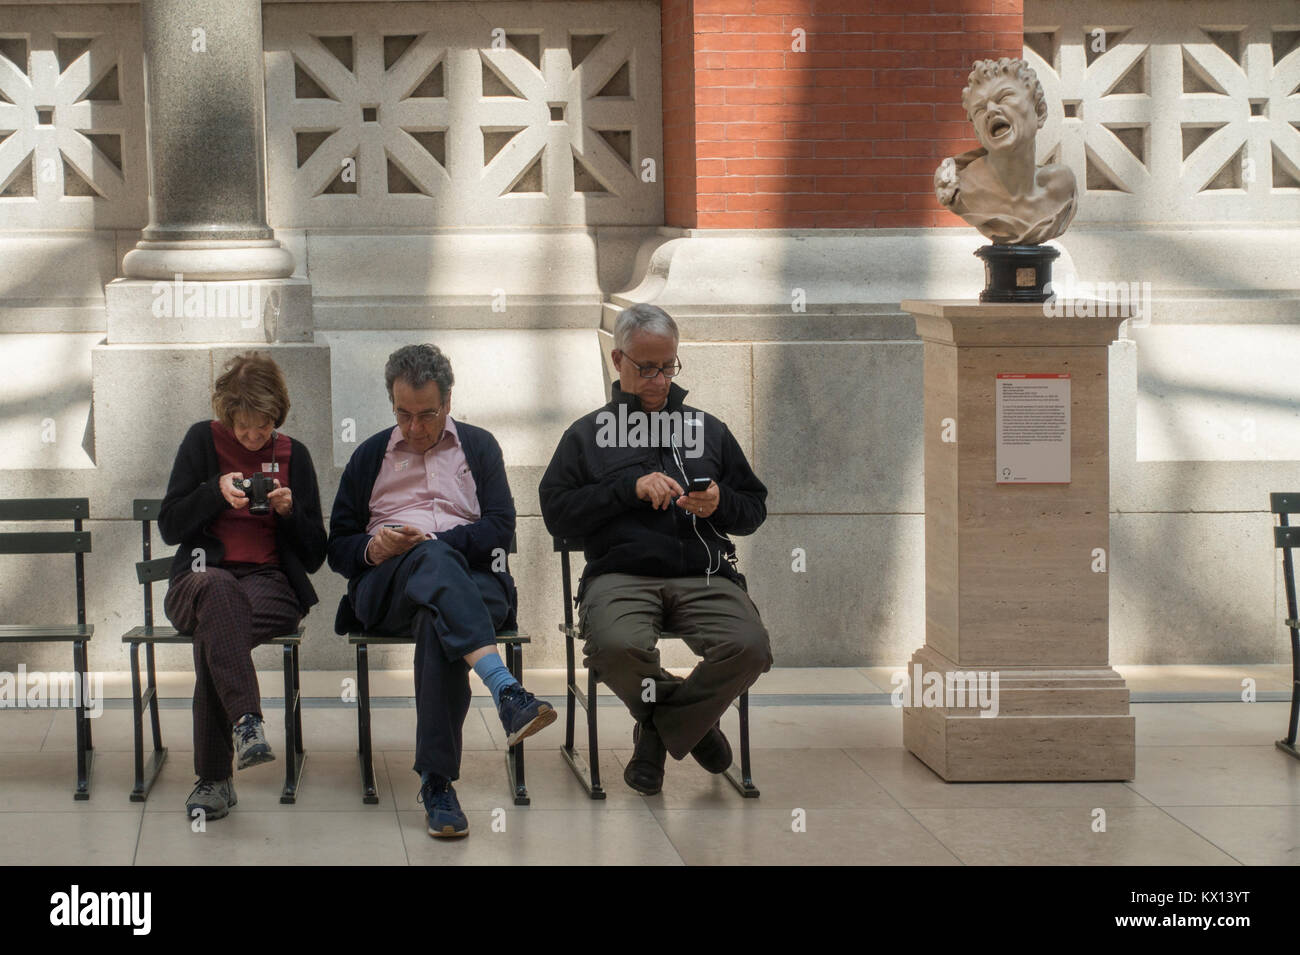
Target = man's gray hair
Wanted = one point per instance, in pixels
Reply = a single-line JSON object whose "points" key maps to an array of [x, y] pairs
{"points": [[417, 365], [643, 317]]}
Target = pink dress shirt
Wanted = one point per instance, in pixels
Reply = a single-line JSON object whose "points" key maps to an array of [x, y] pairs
{"points": [[431, 492]]}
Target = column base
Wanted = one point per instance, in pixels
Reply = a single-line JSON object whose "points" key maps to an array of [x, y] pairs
{"points": [[1049, 725], [188, 311], [209, 260]]}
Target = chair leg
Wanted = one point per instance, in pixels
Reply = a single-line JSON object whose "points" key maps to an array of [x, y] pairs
{"points": [[588, 774], [515, 755], [369, 794], [570, 701], [297, 700], [152, 675], [593, 736], [744, 782], [141, 699], [85, 750], [293, 754]]}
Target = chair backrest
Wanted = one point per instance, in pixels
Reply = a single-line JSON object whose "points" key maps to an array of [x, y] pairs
{"points": [[564, 546], [149, 570], [1285, 537], [76, 542]]}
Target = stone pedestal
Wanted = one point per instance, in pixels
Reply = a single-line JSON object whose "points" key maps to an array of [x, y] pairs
{"points": [[1016, 582]]}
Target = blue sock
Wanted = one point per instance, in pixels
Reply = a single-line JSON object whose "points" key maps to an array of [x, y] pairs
{"points": [[494, 674]]}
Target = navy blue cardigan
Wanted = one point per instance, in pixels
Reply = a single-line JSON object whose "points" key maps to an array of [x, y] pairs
{"points": [[477, 541]]}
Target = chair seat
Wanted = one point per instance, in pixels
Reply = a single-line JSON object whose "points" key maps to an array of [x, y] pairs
{"points": [[32, 633], [381, 639], [169, 635]]}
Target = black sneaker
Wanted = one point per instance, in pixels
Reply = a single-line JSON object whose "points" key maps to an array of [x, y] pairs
{"points": [[251, 746], [713, 752], [645, 770], [442, 810], [523, 714]]}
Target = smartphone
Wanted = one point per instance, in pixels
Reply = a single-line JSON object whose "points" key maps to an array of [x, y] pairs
{"points": [[699, 484], [396, 527]]}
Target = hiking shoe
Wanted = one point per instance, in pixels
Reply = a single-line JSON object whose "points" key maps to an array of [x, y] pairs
{"points": [[214, 797], [523, 714], [645, 770], [442, 809], [251, 746], [713, 752]]}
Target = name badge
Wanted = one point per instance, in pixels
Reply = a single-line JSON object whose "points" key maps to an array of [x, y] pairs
{"points": [[402, 465], [270, 467]]}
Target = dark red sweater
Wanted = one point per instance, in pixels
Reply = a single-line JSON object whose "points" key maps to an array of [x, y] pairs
{"points": [[248, 538]]}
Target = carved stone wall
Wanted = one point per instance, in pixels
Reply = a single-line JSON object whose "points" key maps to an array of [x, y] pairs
{"points": [[1172, 110], [463, 114]]}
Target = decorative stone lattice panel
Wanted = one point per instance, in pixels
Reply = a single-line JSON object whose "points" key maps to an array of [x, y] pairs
{"points": [[463, 114], [72, 146], [1172, 110]]}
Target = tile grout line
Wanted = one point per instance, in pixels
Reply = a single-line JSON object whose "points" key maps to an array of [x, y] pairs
{"points": [[1200, 835], [866, 772]]}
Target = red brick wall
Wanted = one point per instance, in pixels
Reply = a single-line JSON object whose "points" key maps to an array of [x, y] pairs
{"points": [[844, 135]]}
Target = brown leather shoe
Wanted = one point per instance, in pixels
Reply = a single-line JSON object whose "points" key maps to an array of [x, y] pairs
{"points": [[713, 752], [645, 770]]}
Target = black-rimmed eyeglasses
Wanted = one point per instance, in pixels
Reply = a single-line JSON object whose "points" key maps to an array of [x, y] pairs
{"points": [[671, 370]]}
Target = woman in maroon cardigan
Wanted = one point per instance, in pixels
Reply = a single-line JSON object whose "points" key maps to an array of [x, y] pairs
{"points": [[239, 578]]}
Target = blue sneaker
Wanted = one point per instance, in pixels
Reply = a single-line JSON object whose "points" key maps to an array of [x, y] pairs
{"points": [[442, 808], [523, 714]]}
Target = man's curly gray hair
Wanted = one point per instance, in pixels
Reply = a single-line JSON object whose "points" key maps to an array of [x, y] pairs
{"points": [[417, 365], [982, 71]]}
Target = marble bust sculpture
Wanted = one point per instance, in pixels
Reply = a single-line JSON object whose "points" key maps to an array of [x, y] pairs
{"points": [[998, 188]]}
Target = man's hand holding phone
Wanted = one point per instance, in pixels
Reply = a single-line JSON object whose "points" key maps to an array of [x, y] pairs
{"points": [[393, 540], [702, 498]]}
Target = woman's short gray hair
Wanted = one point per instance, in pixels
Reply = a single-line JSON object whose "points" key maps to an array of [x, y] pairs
{"points": [[643, 317], [417, 365]]}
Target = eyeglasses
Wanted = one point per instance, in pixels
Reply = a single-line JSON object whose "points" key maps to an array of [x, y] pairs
{"points": [[652, 371], [425, 418]]}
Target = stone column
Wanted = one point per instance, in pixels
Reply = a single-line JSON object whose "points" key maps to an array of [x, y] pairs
{"points": [[1015, 575], [208, 278], [204, 94]]}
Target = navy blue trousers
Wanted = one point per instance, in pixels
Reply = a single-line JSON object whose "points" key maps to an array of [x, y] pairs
{"points": [[451, 609]]}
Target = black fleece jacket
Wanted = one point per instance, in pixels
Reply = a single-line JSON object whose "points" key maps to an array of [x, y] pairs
{"points": [[588, 493], [194, 500]]}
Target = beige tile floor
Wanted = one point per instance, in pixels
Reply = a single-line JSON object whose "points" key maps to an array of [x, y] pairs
{"points": [[837, 787]]}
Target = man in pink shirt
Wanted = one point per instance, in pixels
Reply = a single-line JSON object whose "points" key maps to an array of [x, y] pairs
{"points": [[421, 525]]}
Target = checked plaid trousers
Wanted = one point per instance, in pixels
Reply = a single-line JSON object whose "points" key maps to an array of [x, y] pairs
{"points": [[229, 610]]}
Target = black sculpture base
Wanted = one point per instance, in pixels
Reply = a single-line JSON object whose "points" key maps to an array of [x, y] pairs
{"points": [[1017, 273]]}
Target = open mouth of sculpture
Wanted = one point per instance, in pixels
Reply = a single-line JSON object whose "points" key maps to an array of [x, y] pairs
{"points": [[998, 128]]}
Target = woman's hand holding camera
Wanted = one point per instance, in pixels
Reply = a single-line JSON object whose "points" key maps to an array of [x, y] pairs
{"points": [[281, 499], [231, 490]]}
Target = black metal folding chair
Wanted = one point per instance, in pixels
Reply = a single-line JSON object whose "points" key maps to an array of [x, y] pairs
{"points": [[363, 639], [149, 571], [1286, 537], [588, 773], [77, 543]]}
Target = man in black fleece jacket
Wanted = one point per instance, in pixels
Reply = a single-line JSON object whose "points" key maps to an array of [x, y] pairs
{"points": [[658, 556]]}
